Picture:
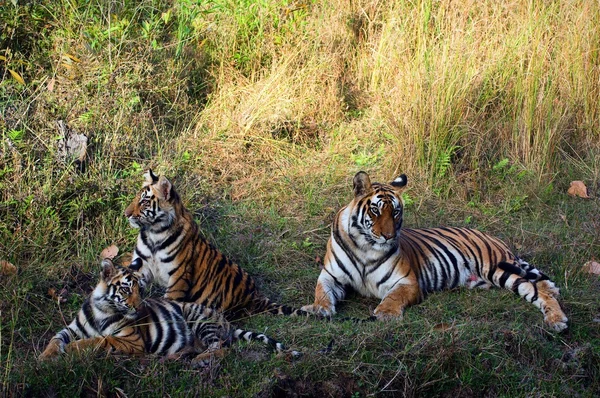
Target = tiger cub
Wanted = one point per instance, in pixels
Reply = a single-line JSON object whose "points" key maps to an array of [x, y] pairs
{"points": [[370, 252], [117, 319], [178, 258]]}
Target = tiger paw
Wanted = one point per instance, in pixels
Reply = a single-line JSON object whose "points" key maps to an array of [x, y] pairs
{"points": [[200, 364], [51, 352], [557, 321], [384, 313], [202, 361], [319, 310]]}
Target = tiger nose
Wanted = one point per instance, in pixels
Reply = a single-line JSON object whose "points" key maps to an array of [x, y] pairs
{"points": [[388, 235]]}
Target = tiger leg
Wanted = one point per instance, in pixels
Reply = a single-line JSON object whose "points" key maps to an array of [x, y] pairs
{"points": [[550, 287], [57, 344], [328, 291], [109, 344], [394, 302], [84, 344], [539, 293], [541, 278], [53, 349], [532, 274]]}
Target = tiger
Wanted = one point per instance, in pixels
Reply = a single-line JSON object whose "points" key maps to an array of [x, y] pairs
{"points": [[116, 318], [175, 255], [369, 251]]}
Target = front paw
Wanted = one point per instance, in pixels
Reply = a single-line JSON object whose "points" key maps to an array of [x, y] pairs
{"points": [[201, 362], [319, 310], [556, 320], [51, 352], [208, 358], [385, 313]]}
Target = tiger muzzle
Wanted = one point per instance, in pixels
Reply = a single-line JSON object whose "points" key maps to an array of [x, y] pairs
{"points": [[389, 235]]}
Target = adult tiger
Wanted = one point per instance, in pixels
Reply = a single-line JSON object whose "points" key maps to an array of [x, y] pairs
{"points": [[117, 318], [178, 258], [369, 252]]}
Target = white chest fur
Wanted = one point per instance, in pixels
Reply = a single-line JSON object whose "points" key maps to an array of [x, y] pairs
{"points": [[369, 269], [159, 259]]}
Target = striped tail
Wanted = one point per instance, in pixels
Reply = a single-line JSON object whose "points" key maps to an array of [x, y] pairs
{"points": [[241, 334], [265, 305]]}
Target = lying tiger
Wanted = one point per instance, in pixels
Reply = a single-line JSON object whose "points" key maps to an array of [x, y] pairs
{"points": [[369, 252], [116, 318]]}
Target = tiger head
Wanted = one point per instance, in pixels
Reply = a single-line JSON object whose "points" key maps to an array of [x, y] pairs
{"points": [[119, 290], [154, 205], [377, 210]]}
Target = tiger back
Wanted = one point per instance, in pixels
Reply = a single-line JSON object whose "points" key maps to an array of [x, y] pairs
{"points": [[176, 256], [369, 251], [116, 318]]}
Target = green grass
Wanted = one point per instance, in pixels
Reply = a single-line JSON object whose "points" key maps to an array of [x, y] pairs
{"points": [[261, 115]]}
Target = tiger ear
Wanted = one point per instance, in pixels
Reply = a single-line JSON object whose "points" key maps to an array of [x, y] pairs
{"points": [[150, 177], [400, 182], [362, 183], [164, 188], [136, 264], [108, 269]]}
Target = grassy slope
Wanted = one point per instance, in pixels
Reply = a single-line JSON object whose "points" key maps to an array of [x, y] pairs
{"points": [[261, 115]]}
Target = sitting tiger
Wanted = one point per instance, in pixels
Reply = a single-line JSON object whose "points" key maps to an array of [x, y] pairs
{"points": [[116, 318], [178, 258], [369, 252]]}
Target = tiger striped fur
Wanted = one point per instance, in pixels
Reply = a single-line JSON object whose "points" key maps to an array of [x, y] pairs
{"points": [[178, 258], [117, 319], [369, 252]]}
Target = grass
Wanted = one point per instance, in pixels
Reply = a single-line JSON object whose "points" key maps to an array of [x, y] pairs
{"points": [[261, 113]]}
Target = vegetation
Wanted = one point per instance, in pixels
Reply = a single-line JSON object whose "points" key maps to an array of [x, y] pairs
{"points": [[261, 112]]}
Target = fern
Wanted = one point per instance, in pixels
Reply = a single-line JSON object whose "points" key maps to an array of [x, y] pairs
{"points": [[444, 161]]}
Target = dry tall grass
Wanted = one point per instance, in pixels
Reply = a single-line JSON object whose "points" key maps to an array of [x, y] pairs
{"points": [[442, 85]]}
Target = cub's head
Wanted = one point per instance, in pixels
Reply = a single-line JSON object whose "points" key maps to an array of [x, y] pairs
{"points": [[377, 209], [154, 204], [119, 289]]}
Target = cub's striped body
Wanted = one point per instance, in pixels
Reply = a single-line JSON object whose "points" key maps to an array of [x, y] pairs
{"points": [[116, 318], [369, 252], [178, 258]]}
